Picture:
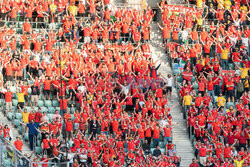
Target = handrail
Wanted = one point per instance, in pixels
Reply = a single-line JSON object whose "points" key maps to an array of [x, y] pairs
{"points": [[17, 156]]}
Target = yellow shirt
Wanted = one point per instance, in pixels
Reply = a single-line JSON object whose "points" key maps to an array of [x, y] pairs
{"points": [[228, 110], [187, 100], [224, 54], [227, 4], [202, 62], [73, 10], [238, 163], [20, 97], [199, 3], [221, 101], [199, 21], [143, 4], [243, 8], [53, 8], [246, 84], [220, 4], [244, 72], [25, 117]]}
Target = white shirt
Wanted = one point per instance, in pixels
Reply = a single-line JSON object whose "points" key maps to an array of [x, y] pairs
{"points": [[81, 88], [169, 81], [37, 57], [184, 34], [101, 47], [244, 41]]}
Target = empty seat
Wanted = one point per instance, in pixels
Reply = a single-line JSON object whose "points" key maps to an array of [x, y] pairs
{"points": [[55, 103], [48, 103], [38, 150], [40, 103], [51, 110], [230, 104], [44, 109], [14, 102], [19, 116]]}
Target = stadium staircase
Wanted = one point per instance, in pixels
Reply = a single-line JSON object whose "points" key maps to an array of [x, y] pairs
{"points": [[180, 133], [15, 131]]}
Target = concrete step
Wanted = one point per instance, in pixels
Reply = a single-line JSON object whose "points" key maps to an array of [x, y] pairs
{"points": [[15, 133]]}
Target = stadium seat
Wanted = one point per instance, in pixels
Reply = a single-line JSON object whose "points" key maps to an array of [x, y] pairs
{"points": [[20, 129], [26, 136], [14, 102], [10, 116], [19, 116], [28, 108], [40, 103], [230, 104], [44, 109], [193, 79], [50, 116], [48, 103], [196, 86], [179, 79], [55, 103], [2, 101], [38, 150], [13, 89], [38, 143], [51, 110], [41, 96], [16, 122], [7, 162]]}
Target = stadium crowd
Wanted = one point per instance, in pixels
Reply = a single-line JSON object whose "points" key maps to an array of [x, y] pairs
{"points": [[79, 79], [208, 48]]}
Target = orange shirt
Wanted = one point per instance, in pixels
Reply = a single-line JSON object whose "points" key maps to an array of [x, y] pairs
{"points": [[8, 96], [18, 144], [156, 134]]}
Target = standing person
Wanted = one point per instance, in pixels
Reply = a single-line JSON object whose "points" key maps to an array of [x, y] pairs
{"points": [[32, 130], [187, 100], [8, 100], [169, 81]]}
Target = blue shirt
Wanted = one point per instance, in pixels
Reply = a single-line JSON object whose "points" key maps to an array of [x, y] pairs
{"points": [[32, 128]]}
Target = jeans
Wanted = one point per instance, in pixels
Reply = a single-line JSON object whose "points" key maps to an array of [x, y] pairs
{"points": [[217, 90], [224, 64], [211, 94], [141, 141], [155, 142], [166, 140], [32, 140]]}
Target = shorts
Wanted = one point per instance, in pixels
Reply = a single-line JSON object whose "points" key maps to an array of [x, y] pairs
{"points": [[46, 92], [9, 78], [21, 104], [20, 78], [34, 98], [26, 98], [54, 91], [169, 89], [230, 93], [8, 105], [72, 92]]}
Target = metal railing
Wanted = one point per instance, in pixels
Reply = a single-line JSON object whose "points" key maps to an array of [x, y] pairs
{"points": [[11, 157]]}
